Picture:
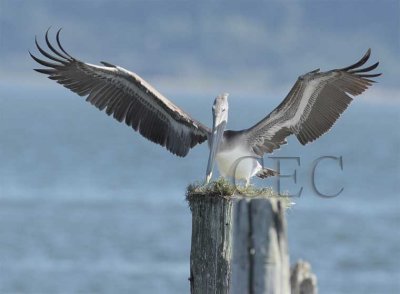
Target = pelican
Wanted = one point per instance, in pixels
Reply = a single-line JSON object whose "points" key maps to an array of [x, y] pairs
{"points": [[312, 106]]}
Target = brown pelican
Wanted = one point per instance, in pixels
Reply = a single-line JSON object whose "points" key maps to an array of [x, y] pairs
{"points": [[312, 106]]}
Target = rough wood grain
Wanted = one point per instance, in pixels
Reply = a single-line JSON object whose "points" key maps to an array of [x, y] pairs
{"points": [[239, 245]]}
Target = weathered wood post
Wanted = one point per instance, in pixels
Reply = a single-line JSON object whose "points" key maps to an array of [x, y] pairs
{"points": [[302, 280], [239, 245]]}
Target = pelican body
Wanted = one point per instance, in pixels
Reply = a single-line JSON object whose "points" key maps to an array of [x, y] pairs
{"points": [[312, 106], [235, 159]]}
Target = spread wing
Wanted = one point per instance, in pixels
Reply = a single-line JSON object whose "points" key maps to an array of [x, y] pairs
{"points": [[125, 96], [312, 106]]}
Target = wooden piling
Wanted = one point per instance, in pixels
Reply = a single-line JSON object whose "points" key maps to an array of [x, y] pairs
{"points": [[239, 245]]}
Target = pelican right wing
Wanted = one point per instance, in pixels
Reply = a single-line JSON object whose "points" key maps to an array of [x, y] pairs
{"points": [[312, 106], [127, 97]]}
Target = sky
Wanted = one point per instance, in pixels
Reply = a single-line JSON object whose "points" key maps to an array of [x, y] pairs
{"points": [[208, 47]]}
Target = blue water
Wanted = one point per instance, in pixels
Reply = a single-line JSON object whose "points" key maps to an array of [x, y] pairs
{"points": [[88, 206]]}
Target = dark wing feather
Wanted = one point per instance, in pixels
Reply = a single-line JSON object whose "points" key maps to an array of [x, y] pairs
{"points": [[312, 106], [125, 96]]}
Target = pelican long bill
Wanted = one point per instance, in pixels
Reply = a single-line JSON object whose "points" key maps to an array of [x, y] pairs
{"points": [[216, 136]]}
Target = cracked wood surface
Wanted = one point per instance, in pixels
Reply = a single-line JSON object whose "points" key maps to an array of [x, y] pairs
{"points": [[239, 245]]}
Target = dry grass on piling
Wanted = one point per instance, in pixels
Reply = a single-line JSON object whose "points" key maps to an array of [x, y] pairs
{"points": [[223, 188]]}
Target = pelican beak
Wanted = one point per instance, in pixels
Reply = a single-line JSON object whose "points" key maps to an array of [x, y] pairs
{"points": [[216, 136]]}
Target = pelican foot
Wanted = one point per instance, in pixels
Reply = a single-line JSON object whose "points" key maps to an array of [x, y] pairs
{"points": [[266, 172]]}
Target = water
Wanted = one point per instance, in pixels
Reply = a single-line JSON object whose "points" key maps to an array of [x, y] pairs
{"points": [[88, 206]]}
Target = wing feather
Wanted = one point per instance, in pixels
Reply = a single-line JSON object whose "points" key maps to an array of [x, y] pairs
{"points": [[125, 96], [312, 106]]}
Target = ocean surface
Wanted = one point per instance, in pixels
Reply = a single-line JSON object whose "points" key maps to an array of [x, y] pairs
{"points": [[89, 206]]}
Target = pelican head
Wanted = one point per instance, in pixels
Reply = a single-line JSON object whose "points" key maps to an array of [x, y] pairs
{"points": [[220, 118]]}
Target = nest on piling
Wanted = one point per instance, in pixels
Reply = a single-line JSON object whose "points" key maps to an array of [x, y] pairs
{"points": [[223, 188]]}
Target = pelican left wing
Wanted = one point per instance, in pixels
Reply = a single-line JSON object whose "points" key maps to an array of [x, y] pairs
{"points": [[312, 106], [127, 97]]}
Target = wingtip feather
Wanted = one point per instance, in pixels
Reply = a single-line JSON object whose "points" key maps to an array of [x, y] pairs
{"points": [[359, 63]]}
